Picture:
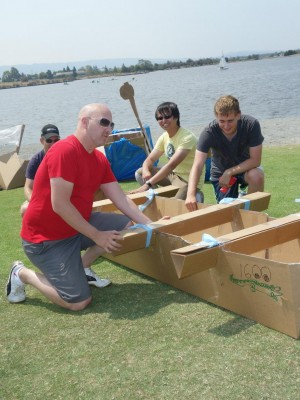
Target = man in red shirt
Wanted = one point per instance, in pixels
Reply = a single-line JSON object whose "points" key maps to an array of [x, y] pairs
{"points": [[59, 222]]}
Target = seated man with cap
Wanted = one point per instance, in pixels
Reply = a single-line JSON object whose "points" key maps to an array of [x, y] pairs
{"points": [[49, 135]]}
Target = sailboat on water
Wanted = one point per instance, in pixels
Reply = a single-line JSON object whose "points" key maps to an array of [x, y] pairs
{"points": [[223, 63]]}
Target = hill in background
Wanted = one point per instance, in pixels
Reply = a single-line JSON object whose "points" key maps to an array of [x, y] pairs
{"points": [[43, 67]]}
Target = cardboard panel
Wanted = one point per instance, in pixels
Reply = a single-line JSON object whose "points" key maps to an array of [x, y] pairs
{"points": [[190, 222], [268, 235], [262, 290], [191, 259], [156, 263], [12, 171], [288, 252], [258, 201], [106, 205]]}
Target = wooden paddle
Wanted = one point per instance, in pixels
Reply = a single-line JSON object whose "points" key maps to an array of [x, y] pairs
{"points": [[127, 93]]}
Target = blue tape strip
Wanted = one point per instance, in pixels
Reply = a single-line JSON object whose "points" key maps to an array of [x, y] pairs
{"points": [[208, 241], [212, 242], [146, 228], [150, 195], [247, 204], [228, 200]]}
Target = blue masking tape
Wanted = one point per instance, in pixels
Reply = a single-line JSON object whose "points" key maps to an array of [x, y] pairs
{"points": [[208, 241], [247, 204], [146, 228], [150, 195], [228, 200]]}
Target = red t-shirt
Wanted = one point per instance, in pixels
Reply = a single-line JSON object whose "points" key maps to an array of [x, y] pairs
{"points": [[69, 160]]}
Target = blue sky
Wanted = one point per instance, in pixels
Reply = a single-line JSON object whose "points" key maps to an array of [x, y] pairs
{"points": [[38, 31]]}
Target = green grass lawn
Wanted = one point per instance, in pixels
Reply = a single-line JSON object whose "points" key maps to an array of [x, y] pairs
{"points": [[141, 339]]}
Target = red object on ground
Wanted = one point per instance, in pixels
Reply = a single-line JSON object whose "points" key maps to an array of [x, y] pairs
{"points": [[232, 181]]}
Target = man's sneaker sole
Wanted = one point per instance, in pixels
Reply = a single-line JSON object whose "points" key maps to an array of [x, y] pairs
{"points": [[13, 297], [100, 283]]}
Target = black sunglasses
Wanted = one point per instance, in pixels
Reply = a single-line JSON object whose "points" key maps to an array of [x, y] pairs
{"points": [[164, 117], [52, 140], [105, 122]]}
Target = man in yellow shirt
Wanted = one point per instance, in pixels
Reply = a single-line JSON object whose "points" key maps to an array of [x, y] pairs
{"points": [[178, 145]]}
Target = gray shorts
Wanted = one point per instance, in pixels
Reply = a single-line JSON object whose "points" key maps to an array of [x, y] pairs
{"points": [[60, 260]]}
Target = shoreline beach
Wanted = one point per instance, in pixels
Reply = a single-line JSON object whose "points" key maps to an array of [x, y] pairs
{"points": [[281, 131], [276, 131]]}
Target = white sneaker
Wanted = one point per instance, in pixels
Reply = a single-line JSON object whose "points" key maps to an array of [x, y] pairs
{"points": [[242, 194], [94, 280], [15, 289]]}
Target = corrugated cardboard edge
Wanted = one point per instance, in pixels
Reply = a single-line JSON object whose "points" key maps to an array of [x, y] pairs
{"points": [[192, 259], [107, 205], [188, 222]]}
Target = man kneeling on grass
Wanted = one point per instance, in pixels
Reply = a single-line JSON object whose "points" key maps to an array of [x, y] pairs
{"points": [[59, 222], [235, 141]]}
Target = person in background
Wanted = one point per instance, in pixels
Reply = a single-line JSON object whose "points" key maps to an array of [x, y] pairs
{"points": [[179, 145], [59, 221], [235, 141], [49, 136]]}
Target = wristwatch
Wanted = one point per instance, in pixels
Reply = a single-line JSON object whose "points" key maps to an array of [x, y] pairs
{"points": [[148, 183]]}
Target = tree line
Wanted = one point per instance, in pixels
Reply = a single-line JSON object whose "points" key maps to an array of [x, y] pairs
{"points": [[143, 66]]}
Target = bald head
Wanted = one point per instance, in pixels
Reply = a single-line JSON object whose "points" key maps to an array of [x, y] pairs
{"points": [[94, 125], [93, 110]]}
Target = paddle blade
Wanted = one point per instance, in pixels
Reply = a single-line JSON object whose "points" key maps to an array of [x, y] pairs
{"points": [[126, 91]]}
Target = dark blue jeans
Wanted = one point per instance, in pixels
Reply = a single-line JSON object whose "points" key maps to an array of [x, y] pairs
{"points": [[233, 191]]}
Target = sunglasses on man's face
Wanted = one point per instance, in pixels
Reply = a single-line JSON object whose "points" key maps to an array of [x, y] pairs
{"points": [[52, 140], [164, 117], [105, 122]]}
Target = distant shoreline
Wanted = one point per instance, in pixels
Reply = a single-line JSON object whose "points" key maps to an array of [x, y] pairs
{"points": [[111, 73], [39, 82], [16, 85]]}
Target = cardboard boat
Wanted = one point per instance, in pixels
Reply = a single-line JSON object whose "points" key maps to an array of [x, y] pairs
{"points": [[254, 272], [252, 268]]}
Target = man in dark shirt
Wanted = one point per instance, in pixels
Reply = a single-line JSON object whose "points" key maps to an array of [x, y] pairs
{"points": [[49, 135], [235, 141]]}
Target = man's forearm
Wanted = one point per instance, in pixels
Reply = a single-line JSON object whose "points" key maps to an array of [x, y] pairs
{"points": [[242, 167], [28, 188], [194, 180], [161, 174], [27, 194], [147, 165], [129, 208]]}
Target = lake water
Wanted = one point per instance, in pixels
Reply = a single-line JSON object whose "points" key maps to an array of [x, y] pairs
{"points": [[267, 89]]}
